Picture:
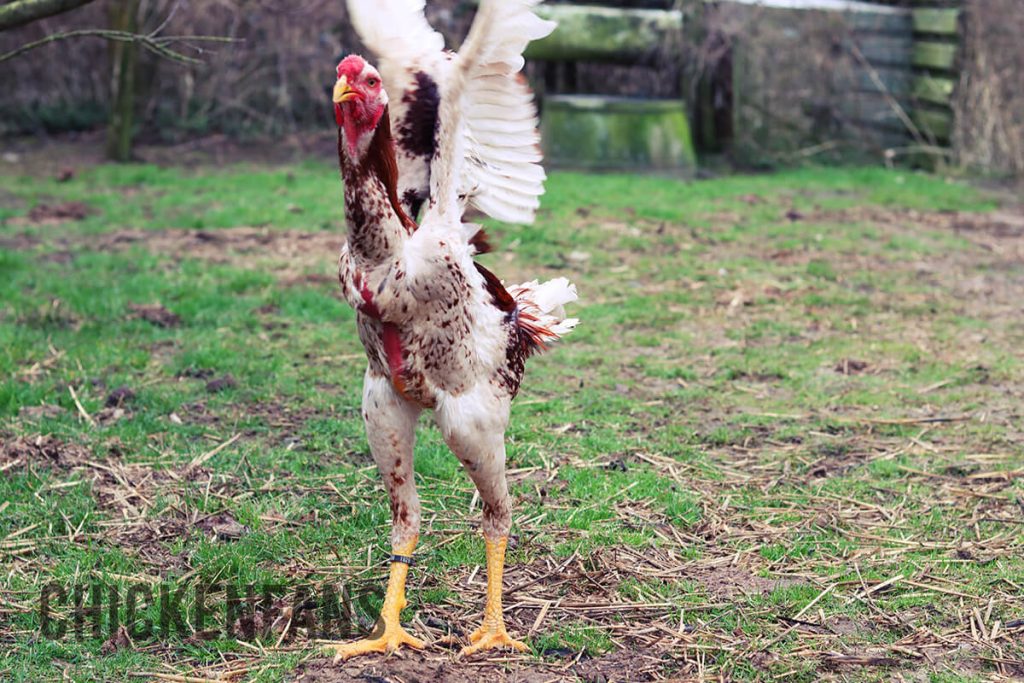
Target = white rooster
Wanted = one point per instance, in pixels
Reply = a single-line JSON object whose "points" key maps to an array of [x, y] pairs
{"points": [[440, 331]]}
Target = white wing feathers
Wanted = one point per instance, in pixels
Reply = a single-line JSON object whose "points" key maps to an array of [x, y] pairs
{"points": [[496, 161], [503, 174], [489, 143], [396, 31]]}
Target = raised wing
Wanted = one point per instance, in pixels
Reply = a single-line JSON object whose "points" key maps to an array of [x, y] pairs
{"points": [[488, 106], [499, 170], [504, 177], [397, 32]]}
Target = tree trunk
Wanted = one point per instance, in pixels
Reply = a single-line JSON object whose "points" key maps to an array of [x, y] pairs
{"points": [[124, 56]]}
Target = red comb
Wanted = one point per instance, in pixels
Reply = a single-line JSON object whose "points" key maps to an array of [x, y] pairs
{"points": [[351, 66]]}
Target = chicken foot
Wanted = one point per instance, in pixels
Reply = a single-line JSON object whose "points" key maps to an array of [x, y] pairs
{"points": [[492, 633], [390, 431], [392, 635]]}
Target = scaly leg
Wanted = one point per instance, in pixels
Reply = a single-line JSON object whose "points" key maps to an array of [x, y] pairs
{"points": [[390, 430], [393, 635], [473, 425], [492, 633]]}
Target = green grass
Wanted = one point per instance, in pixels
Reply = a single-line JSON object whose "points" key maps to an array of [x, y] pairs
{"points": [[693, 451]]}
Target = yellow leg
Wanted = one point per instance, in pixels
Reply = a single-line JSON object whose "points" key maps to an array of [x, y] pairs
{"points": [[393, 636], [492, 633]]}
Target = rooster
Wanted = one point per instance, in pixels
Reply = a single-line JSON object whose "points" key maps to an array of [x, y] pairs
{"points": [[502, 175], [440, 331]]}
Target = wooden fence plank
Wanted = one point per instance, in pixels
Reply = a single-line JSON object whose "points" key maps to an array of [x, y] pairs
{"points": [[870, 109], [938, 123], [931, 55], [886, 50], [933, 89], [895, 80], [943, 21]]}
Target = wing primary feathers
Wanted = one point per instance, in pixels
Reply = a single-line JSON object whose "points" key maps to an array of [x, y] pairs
{"points": [[488, 122]]}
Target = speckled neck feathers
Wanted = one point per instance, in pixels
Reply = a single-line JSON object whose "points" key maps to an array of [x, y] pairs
{"points": [[377, 222]]}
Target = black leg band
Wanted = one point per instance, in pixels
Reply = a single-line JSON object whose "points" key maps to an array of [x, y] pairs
{"points": [[404, 559]]}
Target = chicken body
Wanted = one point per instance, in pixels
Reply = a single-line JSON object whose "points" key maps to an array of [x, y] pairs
{"points": [[440, 332]]}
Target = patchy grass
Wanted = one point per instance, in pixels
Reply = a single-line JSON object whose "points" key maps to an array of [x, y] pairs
{"points": [[785, 441]]}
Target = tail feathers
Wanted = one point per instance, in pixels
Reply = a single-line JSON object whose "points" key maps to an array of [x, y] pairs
{"points": [[542, 311], [478, 238]]}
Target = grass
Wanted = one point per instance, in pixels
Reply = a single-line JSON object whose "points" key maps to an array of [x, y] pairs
{"points": [[789, 420]]}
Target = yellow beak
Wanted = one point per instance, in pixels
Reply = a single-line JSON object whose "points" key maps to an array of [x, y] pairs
{"points": [[342, 91]]}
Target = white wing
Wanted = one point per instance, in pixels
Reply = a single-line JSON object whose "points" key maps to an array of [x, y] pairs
{"points": [[497, 158], [488, 119], [397, 32], [504, 176]]}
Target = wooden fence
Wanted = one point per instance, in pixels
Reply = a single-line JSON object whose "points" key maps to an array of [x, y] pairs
{"points": [[904, 72], [937, 43], [863, 76]]}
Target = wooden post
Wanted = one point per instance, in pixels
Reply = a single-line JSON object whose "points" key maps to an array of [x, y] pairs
{"points": [[124, 16]]}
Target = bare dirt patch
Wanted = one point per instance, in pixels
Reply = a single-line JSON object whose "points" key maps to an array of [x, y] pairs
{"points": [[621, 665], [54, 214], [422, 667], [41, 451], [46, 411], [155, 314], [291, 253], [45, 214], [19, 242], [729, 582], [223, 526]]}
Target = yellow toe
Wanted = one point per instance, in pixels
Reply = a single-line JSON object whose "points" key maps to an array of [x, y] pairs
{"points": [[391, 640], [491, 640]]}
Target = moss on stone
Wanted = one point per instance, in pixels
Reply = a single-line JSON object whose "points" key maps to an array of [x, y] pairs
{"points": [[595, 132]]}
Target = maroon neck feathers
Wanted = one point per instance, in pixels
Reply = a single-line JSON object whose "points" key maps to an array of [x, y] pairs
{"points": [[368, 179]]}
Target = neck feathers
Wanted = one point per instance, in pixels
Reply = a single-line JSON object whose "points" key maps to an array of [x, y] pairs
{"points": [[370, 171]]}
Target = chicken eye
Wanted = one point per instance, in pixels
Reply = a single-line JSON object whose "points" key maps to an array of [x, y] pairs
{"points": [[372, 82]]}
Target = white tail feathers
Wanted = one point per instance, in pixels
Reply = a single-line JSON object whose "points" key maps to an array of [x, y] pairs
{"points": [[542, 308]]}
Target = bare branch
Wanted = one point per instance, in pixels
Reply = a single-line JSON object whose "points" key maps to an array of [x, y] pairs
{"points": [[21, 12], [157, 45]]}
